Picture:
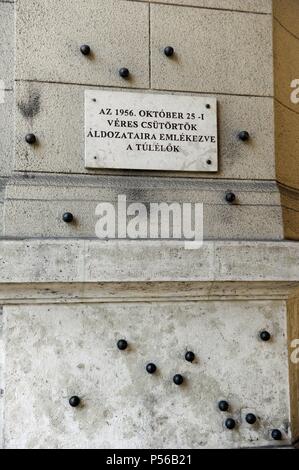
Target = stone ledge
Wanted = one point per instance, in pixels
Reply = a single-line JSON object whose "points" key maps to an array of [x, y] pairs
{"points": [[103, 292], [120, 261]]}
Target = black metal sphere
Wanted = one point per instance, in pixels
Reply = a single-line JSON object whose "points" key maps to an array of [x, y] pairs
{"points": [[230, 423], [230, 197], [68, 217], [30, 139], [276, 435], [169, 51], [122, 344], [223, 405], [178, 379], [74, 401], [189, 356], [151, 368], [244, 136], [250, 418], [124, 72], [85, 49], [265, 336]]}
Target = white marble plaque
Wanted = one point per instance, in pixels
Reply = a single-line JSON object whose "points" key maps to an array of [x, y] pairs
{"points": [[150, 131]]}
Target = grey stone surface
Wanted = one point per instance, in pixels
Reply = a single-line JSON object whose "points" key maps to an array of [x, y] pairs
{"points": [[1, 218], [259, 6], [6, 134], [55, 352], [3, 182], [34, 206], [71, 298], [209, 58], [53, 261], [48, 42], [45, 110], [7, 44]]}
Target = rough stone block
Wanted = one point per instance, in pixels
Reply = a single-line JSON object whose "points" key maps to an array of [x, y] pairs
{"points": [[55, 352]]}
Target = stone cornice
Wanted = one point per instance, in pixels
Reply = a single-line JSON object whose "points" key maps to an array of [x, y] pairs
{"points": [[92, 270]]}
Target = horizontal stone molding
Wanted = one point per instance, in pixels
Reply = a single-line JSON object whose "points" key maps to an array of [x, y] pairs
{"points": [[129, 261], [42, 200], [97, 292]]}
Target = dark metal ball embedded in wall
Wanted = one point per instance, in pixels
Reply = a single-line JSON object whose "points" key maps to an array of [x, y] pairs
{"points": [[151, 368], [169, 51], [230, 197], [124, 72], [230, 423], [244, 136], [68, 217], [122, 344], [276, 435], [178, 379], [265, 336], [74, 401], [250, 418], [189, 356], [30, 139], [85, 49], [223, 405]]}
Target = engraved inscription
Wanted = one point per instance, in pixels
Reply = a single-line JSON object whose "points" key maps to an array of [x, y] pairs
{"points": [[150, 131]]}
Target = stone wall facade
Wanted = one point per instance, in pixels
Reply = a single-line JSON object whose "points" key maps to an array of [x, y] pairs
{"points": [[67, 297]]}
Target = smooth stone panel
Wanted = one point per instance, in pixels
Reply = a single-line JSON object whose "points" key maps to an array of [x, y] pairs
{"points": [[122, 405], [7, 134], [42, 201], [117, 32], [259, 6], [44, 110], [286, 67], [287, 145], [287, 13], [7, 44], [150, 131], [208, 57], [290, 210]]}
